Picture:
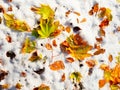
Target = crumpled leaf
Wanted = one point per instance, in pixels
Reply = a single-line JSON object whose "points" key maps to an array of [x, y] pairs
{"points": [[57, 65], [28, 46], [47, 24], [45, 11], [15, 24], [76, 76], [3, 74], [76, 46], [114, 87], [102, 83]]}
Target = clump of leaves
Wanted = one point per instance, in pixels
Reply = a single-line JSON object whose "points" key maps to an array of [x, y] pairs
{"points": [[47, 25], [28, 46], [112, 76], [76, 46], [15, 24], [75, 76]]}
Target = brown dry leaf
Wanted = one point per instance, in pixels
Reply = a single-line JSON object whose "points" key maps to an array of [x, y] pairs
{"points": [[18, 86], [34, 57], [99, 39], [23, 74], [68, 29], [91, 63], [2, 9], [99, 51], [118, 28], [104, 23], [96, 46], [63, 77], [9, 0], [57, 65], [8, 38], [67, 13], [54, 43], [91, 12], [70, 59], [110, 58], [3, 74], [10, 8], [77, 13], [102, 83], [48, 46], [102, 32], [83, 20], [63, 46]]}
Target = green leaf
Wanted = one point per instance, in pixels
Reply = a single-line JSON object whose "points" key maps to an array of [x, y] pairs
{"points": [[76, 76], [15, 24]]}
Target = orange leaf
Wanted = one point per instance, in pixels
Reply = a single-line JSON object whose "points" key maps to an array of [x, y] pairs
{"points": [[18, 86], [77, 13], [104, 67], [104, 23], [83, 20], [99, 39], [102, 32], [102, 83], [91, 63], [8, 38], [95, 7], [48, 46], [5, 86], [67, 29], [110, 58], [56, 33], [63, 77], [57, 65], [99, 51], [69, 59], [67, 13], [54, 43], [91, 12]]}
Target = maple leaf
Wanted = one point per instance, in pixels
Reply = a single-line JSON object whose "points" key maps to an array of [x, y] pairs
{"points": [[47, 24], [28, 46], [76, 46], [76, 76], [15, 24]]}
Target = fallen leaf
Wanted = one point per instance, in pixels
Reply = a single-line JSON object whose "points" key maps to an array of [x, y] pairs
{"points": [[28, 46], [69, 59], [54, 43], [15, 24], [99, 51], [91, 63], [57, 65], [5, 86], [63, 77], [77, 13], [110, 58], [67, 29], [67, 13], [83, 20], [3, 74], [75, 76], [48, 46], [8, 38], [102, 83], [43, 87], [18, 86], [104, 23]]}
